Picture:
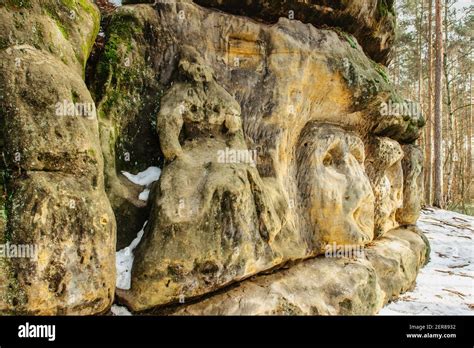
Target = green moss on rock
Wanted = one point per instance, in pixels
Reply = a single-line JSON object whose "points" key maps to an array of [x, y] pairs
{"points": [[17, 3], [66, 14], [120, 35], [382, 72], [350, 39]]}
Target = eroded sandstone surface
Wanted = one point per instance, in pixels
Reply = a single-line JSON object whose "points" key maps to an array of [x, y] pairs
{"points": [[326, 285], [52, 171], [273, 146], [372, 22]]}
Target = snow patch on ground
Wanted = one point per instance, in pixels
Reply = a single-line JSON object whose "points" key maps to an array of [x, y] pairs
{"points": [[145, 178], [124, 262], [119, 311], [445, 286]]}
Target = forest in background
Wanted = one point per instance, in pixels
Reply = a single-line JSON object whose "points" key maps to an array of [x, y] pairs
{"points": [[432, 64]]}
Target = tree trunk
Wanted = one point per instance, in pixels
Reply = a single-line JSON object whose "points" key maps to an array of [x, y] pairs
{"points": [[429, 116], [438, 146], [420, 56], [469, 142], [450, 136], [420, 51]]}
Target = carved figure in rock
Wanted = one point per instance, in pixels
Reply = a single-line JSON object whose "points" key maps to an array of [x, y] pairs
{"points": [[213, 221], [412, 165], [334, 188], [384, 168], [198, 106]]}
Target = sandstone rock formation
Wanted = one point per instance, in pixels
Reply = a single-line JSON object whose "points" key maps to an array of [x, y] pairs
{"points": [[52, 163], [334, 189], [385, 171], [274, 145], [412, 164], [326, 285], [213, 220], [308, 79], [372, 22]]}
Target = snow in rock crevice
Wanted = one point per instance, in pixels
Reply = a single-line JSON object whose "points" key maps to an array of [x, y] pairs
{"points": [[124, 262], [124, 257], [145, 179], [119, 310]]}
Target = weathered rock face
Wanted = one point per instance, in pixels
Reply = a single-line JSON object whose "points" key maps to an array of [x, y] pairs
{"points": [[360, 285], [412, 164], [69, 136], [250, 180], [371, 22], [212, 218], [274, 138], [397, 258], [72, 227], [52, 164], [140, 66], [333, 187], [385, 172], [64, 29], [127, 92]]}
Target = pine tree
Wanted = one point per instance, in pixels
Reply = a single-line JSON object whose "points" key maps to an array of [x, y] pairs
{"points": [[438, 103]]}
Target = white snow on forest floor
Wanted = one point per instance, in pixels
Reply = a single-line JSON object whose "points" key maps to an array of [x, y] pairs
{"points": [[445, 286], [145, 178], [124, 262]]}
